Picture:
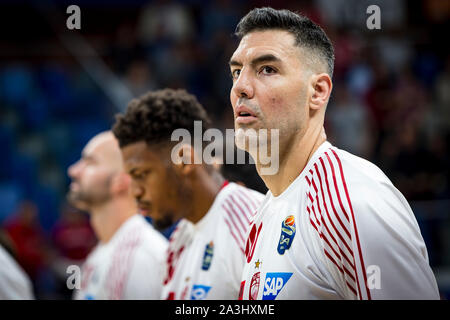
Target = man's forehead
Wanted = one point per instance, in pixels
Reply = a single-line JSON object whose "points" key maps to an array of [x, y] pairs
{"points": [[277, 42], [101, 141], [137, 154]]}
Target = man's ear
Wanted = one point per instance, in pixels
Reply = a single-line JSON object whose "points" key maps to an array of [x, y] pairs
{"points": [[185, 159], [321, 86], [120, 183]]}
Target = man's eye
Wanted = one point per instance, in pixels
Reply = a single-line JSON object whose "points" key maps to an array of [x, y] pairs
{"points": [[235, 73], [267, 70]]}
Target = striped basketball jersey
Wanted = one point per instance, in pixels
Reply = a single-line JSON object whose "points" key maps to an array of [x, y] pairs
{"points": [[341, 230], [205, 260], [129, 266]]}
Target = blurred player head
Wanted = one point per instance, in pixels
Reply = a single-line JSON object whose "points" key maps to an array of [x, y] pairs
{"points": [[98, 178], [281, 74], [163, 189]]}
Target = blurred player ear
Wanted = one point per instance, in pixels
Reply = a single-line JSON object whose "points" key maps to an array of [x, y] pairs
{"points": [[120, 183], [185, 153], [322, 85]]}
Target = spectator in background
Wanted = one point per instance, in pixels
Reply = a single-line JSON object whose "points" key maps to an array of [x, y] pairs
{"points": [[349, 122], [32, 250]]}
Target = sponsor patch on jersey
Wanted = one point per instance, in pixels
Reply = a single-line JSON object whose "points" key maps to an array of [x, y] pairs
{"points": [[287, 234], [254, 287], [207, 256], [251, 242], [199, 292], [273, 284]]}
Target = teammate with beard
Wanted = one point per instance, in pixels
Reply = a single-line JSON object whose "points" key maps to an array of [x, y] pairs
{"points": [[206, 250], [128, 261]]}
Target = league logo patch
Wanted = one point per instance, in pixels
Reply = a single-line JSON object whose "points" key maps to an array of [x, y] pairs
{"points": [[273, 284], [199, 292], [254, 287], [207, 256], [251, 242], [287, 234]]}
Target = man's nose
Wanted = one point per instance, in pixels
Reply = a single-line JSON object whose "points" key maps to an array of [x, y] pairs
{"points": [[137, 190], [243, 86], [74, 169]]}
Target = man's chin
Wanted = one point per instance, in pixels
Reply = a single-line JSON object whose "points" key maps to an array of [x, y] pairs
{"points": [[162, 224], [77, 203]]}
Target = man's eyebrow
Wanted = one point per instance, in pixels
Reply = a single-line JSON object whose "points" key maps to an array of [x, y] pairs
{"points": [[263, 58], [234, 63]]}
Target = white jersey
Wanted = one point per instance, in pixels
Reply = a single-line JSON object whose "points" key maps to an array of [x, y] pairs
{"points": [[129, 266], [14, 282], [341, 230], [205, 260]]}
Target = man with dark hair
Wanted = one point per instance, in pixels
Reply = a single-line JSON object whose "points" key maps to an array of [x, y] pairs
{"points": [[332, 225], [206, 250]]}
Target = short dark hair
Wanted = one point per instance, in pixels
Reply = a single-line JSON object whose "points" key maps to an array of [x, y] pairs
{"points": [[155, 115], [307, 34]]}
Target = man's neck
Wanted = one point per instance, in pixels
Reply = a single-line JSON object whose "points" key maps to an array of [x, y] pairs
{"points": [[108, 218], [205, 190], [293, 159]]}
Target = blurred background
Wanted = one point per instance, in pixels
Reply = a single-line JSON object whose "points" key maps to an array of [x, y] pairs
{"points": [[58, 88]]}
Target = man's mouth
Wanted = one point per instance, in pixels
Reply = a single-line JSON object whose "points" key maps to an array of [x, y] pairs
{"points": [[244, 115], [143, 209]]}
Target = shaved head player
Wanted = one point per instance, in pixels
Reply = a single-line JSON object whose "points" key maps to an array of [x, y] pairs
{"points": [[206, 250], [332, 225], [128, 261]]}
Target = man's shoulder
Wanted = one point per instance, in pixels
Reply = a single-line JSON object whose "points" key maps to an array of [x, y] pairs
{"points": [[335, 169]]}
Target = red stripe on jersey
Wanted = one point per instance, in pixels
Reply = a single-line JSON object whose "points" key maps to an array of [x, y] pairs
{"points": [[314, 186], [243, 212], [233, 235], [242, 200], [253, 202], [336, 188], [332, 260], [331, 200], [315, 215], [340, 269], [339, 247], [230, 216], [307, 180], [326, 226], [314, 225], [354, 225], [236, 214], [351, 288], [328, 215]]}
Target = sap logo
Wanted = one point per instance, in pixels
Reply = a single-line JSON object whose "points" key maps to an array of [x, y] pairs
{"points": [[273, 284], [199, 292]]}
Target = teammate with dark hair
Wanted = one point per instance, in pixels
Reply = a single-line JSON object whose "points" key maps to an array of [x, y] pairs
{"points": [[332, 225], [206, 250]]}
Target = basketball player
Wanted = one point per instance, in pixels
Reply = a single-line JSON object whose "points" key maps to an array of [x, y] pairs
{"points": [[128, 261], [332, 225], [206, 250]]}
